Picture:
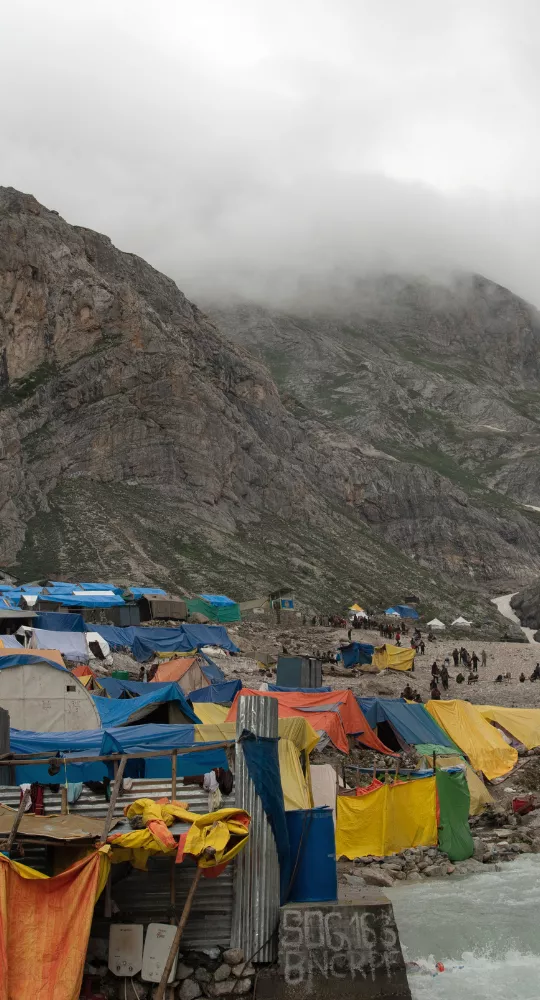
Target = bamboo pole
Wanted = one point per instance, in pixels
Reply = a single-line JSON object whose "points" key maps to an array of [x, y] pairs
{"points": [[172, 873], [16, 823], [160, 992], [112, 803]]}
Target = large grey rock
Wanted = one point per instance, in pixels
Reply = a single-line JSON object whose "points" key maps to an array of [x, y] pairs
{"points": [[202, 975], [184, 971], [243, 970], [222, 973], [233, 956], [378, 878], [189, 990], [435, 871]]}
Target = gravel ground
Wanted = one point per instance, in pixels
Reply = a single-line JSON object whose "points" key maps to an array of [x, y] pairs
{"points": [[502, 658]]}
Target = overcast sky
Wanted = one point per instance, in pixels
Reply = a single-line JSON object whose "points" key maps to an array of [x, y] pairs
{"points": [[237, 142]]}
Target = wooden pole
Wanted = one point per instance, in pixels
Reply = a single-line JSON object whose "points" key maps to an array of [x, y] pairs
{"points": [[160, 992], [174, 768], [16, 823], [110, 811], [172, 873]]}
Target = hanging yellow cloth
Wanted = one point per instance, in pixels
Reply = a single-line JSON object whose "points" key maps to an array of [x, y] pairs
{"points": [[293, 781], [387, 820], [45, 926]]}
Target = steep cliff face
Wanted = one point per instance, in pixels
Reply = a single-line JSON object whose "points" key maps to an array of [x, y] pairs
{"points": [[136, 441], [443, 378]]}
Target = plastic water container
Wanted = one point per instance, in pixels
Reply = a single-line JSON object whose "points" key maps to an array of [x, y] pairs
{"points": [[313, 855]]}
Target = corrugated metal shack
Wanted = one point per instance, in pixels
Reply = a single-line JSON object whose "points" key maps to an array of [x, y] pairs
{"points": [[144, 897]]}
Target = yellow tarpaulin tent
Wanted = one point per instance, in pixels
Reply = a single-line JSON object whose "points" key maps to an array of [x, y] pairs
{"points": [[298, 734], [387, 820], [484, 746], [393, 658], [522, 723], [355, 607], [211, 714]]}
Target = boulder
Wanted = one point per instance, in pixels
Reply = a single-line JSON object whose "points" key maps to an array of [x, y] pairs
{"points": [[378, 878], [183, 971], [243, 970], [233, 956], [222, 973], [189, 990]]}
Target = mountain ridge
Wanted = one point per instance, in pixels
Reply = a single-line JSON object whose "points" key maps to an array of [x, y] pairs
{"points": [[136, 439]]}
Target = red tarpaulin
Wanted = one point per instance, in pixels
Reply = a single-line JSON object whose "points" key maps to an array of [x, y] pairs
{"points": [[337, 713]]}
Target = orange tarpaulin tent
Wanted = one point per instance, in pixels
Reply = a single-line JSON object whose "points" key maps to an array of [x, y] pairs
{"points": [[174, 670], [337, 713], [45, 926]]}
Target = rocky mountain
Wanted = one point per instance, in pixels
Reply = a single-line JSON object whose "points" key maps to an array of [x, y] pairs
{"points": [[439, 385], [526, 604], [137, 442]]}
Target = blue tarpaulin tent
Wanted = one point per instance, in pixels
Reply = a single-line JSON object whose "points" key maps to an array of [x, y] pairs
{"points": [[356, 652], [218, 600], [20, 659], [145, 642], [218, 694], [412, 722], [123, 711], [403, 610]]}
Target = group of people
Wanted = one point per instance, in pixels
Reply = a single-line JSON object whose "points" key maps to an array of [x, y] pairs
{"points": [[412, 695], [393, 630], [417, 642]]}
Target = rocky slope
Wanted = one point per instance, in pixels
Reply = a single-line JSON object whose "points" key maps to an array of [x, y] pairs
{"points": [[439, 384], [136, 442], [526, 604]]}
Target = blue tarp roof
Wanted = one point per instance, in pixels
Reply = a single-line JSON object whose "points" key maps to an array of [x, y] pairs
{"points": [[413, 722], [20, 659], [129, 739], [98, 586], [88, 600], [218, 694], [403, 610], [213, 673], [141, 591], [5, 603], [30, 589], [57, 621], [123, 711], [144, 642], [218, 600]]}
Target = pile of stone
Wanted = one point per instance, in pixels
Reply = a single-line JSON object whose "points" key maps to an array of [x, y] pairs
{"points": [[412, 865], [207, 972]]}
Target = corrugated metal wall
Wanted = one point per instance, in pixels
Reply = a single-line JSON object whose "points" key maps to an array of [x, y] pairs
{"points": [[143, 897]]}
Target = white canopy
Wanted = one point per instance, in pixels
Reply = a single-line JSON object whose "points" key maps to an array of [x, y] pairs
{"points": [[436, 623], [461, 621]]}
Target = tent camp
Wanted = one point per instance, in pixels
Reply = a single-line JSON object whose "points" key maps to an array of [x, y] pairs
{"points": [[389, 657], [484, 746], [337, 714], [436, 623], [40, 694]]}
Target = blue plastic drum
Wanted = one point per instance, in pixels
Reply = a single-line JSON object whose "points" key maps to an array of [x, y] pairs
{"points": [[313, 855]]}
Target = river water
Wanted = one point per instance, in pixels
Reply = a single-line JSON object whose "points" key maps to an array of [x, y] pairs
{"points": [[485, 929]]}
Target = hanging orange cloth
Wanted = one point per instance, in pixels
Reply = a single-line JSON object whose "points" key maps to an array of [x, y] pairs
{"points": [[45, 926]]}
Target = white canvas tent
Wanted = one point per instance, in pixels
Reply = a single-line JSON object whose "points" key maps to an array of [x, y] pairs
{"points": [[461, 621], [436, 623], [42, 696]]}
